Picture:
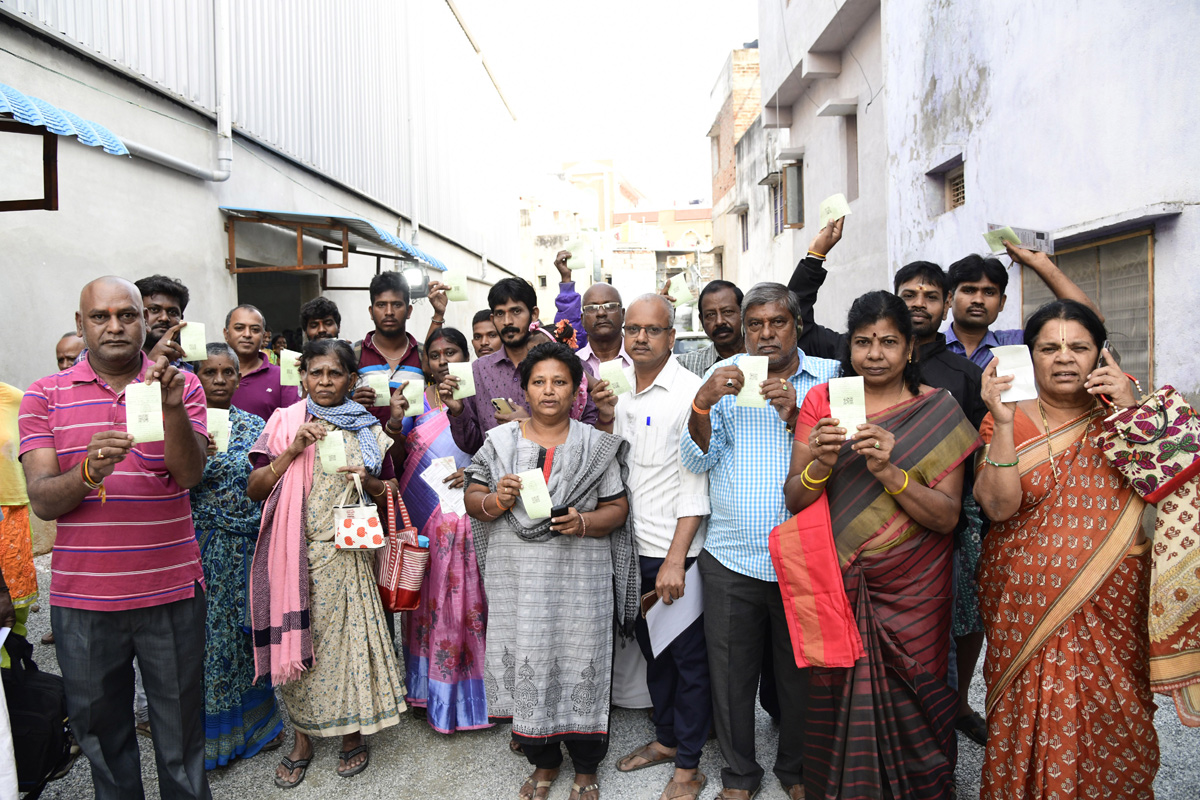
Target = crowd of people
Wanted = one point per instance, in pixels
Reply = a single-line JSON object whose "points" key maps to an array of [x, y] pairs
{"points": [[849, 579]]}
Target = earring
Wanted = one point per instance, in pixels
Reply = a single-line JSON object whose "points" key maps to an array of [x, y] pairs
{"points": [[910, 356]]}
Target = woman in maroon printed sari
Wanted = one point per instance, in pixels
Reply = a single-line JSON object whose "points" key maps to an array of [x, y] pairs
{"points": [[890, 492]]}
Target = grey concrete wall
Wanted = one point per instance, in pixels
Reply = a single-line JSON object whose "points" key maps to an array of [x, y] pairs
{"points": [[131, 218]]}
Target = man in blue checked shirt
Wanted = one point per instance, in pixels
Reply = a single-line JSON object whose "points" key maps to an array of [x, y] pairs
{"points": [[745, 451]]}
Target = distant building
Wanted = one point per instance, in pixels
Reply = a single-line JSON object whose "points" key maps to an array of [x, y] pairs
{"points": [[937, 119]]}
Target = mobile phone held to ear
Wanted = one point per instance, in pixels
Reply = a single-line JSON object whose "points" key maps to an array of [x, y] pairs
{"points": [[1102, 362], [502, 405]]}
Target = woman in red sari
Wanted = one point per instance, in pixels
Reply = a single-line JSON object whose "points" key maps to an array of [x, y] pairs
{"points": [[1064, 579], [891, 492]]}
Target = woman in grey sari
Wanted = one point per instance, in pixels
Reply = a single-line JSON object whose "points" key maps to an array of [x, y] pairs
{"points": [[553, 585]]}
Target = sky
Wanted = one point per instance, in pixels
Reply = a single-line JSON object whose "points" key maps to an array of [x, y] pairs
{"points": [[627, 80]]}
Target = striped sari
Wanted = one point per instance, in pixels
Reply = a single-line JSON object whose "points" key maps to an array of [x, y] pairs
{"points": [[884, 728], [1064, 594], [444, 636]]}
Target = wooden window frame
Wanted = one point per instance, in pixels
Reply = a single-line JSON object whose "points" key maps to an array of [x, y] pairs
{"points": [[796, 169], [231, 229], [1149, 234], [949, 178], [49, 199]]}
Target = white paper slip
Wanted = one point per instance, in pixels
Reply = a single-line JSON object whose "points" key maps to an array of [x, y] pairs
{"points": [[191, 339], [1015, 360], [378, 381], [996, 238], [289, 373], [580, 249], [143, 412], [1042, 241], [332, 450], [456, 285], [680, 290], [466, 379], [435, 478], [414, 392], [754, 372], [834, 207], [666, 622], [614, 373], [535, 495], [218, 428], [848, 403]]}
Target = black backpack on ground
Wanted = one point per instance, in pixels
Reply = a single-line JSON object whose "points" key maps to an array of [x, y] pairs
{"points": [[37, 711]]}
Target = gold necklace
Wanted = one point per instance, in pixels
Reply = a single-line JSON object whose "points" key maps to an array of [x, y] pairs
{"points": [[1049, 449]]}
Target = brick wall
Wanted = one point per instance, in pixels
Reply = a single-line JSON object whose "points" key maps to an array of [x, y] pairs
{"points": [[737, 113]]}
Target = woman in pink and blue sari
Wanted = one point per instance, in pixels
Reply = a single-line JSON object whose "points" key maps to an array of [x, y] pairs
{"points": [[444, 637]]}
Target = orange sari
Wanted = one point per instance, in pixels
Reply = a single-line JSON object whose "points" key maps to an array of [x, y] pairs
{"points": [[1064, 594]]}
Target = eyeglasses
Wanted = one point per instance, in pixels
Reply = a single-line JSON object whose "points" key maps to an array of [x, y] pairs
{"points": [[777, 324], [172, 313], [653, 331], [611, 308]]}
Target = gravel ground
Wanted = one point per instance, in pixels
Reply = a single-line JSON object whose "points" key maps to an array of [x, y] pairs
{"points": [[411, 761]]}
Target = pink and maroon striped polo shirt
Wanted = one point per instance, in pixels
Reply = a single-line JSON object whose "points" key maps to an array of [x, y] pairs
{"points": [[139, 548]]}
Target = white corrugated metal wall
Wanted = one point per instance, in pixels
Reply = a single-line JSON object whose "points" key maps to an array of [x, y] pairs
{"points": [[326, 84]]}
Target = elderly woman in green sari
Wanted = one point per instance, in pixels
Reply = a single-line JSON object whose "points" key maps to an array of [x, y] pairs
{"points": [[550, 579]]}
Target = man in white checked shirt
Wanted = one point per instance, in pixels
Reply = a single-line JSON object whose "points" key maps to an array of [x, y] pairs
{"points": [[668, 507], [745, 451]]}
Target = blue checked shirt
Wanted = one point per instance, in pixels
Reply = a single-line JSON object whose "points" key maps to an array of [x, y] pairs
{"points": [[747, 462]]}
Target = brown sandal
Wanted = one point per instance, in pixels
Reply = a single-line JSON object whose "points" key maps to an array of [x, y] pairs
{"points": [[577, 791], [537, 787], [689, 789], [650, 755]]}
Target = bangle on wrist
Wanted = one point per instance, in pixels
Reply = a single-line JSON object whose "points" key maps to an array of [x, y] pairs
{"points": [[483, 507], [438, 320], [815, 254], [901, 489], [381, 491], [810, 478], [987, 460], [388, 426], [271, 464], [583, 521], [701, 411]]}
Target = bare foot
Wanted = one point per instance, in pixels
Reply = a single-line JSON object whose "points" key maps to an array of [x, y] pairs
{"points": [[301, 750]]}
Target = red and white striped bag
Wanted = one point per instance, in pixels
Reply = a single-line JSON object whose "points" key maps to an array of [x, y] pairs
{"points": [[401, 566]]}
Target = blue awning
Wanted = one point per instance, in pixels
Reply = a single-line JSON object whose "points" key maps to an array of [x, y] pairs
{"points": [[35, 111], [361, 231]]}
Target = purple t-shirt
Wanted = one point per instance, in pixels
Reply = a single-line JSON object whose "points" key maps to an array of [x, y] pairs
{"points": [[983, 353], [260, 393]]}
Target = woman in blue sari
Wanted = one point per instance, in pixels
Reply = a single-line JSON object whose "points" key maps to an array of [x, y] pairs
{"points": [[240, 715], [444, 636]]}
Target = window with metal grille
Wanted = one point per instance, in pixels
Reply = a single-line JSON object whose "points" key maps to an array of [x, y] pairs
{"points": [[956, 188], [542, 281], [778, 207], [1117, 273]]}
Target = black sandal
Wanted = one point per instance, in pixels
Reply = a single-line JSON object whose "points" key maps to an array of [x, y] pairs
{"points": [[346, 755], [973, 727], [300, 764]]}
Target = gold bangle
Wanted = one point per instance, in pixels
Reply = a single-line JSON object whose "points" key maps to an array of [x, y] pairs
{"points": [[815, 254], [87, 476], [381, 492], [810, 478], [811, 487], [271, 464], [901, 489]]}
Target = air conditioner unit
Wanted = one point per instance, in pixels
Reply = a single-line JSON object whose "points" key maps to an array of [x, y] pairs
{"points": [[676, 262]]}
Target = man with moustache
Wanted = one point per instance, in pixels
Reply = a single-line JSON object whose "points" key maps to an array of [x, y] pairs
{"points": [[668, 510], [320, 319], [977, 296], [720, 307], [165, 299], [485, 340], [514, 309], [67, 351], [126, 575], [603, 318], [259, 392], [742, 600]]}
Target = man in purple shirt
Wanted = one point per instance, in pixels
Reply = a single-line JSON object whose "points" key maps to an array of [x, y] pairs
{"points": [[514, 309], [977, 297], [259, 392]]}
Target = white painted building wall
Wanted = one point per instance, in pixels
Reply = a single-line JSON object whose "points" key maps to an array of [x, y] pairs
{"points": [[1070, 120], [769, 257], [805, 62], [133, 218]]}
